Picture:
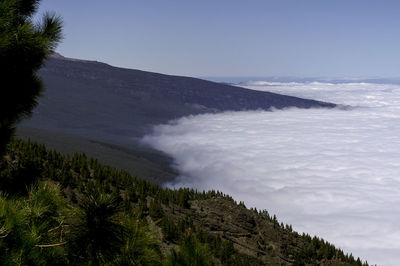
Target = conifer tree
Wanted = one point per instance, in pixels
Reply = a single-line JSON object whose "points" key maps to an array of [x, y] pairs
{"points": [[24, 45]]}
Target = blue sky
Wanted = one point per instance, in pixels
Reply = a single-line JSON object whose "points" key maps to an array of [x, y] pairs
{"points": [[300, 38]]}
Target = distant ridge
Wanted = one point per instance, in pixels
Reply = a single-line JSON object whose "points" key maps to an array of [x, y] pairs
{"points": [[96, 101], [61, 57]]}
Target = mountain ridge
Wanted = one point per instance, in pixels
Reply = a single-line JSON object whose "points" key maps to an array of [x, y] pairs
{"points": [[93, 100], [96, 92]]}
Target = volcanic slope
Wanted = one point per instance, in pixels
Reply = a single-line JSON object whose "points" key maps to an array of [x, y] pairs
{"points": [[117, 106]]}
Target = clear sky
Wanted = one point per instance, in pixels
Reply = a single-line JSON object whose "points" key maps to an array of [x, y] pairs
{"points": [[301, 38]]}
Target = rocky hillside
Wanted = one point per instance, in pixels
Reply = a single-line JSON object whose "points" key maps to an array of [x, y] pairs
{"points": [[61, 210]]}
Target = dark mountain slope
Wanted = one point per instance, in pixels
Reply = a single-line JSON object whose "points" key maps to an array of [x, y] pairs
{"points": [[88, 103], [97, 100], [132, 157]]}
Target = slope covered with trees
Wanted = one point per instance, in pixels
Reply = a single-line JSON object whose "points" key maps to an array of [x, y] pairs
{"points": [[72, 210]]}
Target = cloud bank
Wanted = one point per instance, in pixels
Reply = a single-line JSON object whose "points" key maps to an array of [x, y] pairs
{"points": [[328, 172]]}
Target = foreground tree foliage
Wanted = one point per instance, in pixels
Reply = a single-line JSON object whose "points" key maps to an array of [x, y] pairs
{"points": [[192, 252], [72, 210], [97, 234], [24, 45], [32, 229]]}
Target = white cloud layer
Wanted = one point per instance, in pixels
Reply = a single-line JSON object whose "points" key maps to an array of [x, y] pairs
{"points": [[328, 172]]}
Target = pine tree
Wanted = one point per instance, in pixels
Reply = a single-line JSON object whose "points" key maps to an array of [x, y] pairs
{"points": [[98, 234], [24, 45]]}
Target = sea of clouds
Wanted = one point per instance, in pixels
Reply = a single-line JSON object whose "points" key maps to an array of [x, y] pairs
{"points": [[330, 172]]}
